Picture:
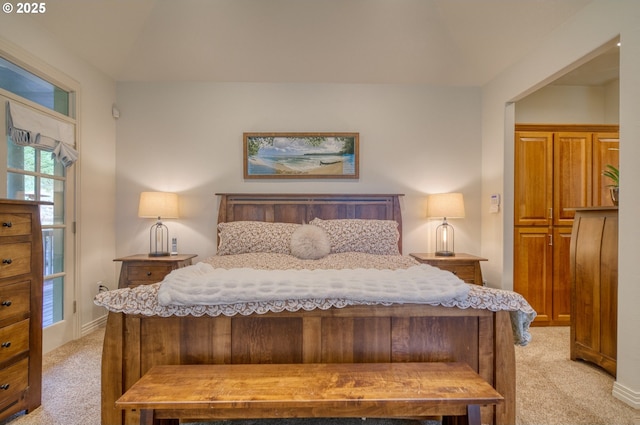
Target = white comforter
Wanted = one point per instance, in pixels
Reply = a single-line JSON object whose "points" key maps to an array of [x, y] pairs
{"points": [[202, 284]]}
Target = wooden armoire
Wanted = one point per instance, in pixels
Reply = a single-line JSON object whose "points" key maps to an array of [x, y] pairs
{"points": [[557, 167], [594, 287]]}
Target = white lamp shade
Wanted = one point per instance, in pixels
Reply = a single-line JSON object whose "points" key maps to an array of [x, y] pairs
{"points": [[158, 204], [449, 205]]}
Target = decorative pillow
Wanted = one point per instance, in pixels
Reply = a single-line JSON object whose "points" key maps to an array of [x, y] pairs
{"points": [[241, 237], [361, 235], [310, 242]]}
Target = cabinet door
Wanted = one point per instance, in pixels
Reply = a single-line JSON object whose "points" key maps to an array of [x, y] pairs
{"points": [[561, 275], [605, 151], [594, 266], [586, 281], [533, 269], [533, 178], [609, 288], [572, 175]]}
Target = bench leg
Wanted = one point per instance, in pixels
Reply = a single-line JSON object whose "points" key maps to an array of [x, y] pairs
{"points": [[473, 414], [148, 417], [472, 417]]}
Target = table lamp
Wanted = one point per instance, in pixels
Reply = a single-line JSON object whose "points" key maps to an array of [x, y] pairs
{"points": [[445, 205], [158, 205]]}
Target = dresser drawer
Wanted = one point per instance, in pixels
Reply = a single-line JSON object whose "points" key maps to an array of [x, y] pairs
{"points": [[13, 380], [142, 274], [15, 259], [465, 266], [14, 339], [14, 300], [466, 273], [15, 224], [140, 269]]}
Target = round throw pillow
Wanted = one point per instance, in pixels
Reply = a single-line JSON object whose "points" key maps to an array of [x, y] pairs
{"points": [[310, 242]]}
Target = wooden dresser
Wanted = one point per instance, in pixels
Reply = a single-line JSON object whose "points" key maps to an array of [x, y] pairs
{"points": [[140, 269], [21, 272], [594, 286], [465, 266]]}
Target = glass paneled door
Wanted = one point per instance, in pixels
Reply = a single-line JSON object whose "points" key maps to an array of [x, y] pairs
{"points": [[32, 174]]}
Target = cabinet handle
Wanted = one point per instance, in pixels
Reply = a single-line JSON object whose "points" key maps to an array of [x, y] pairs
{"points": [[550, 240], [454, 272], [6, 303], [4, 387], [7, 261], [6, 224], [6, 344]]}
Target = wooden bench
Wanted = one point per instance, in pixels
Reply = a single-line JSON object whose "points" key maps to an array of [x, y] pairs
{"points": [[249, 391]]}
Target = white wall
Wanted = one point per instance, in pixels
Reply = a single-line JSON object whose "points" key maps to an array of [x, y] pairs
{"points": [[187, 138], [571, 105], [96, 167], [594, 26], [612, 102]]}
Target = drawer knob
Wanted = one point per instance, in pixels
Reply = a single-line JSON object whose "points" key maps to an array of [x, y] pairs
{"points": [[6, 344], [6, 303], [7, 261], [454, 272], [148, 273], [4, 387], [7, 224]]}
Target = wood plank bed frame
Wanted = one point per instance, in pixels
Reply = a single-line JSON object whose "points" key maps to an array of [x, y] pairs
{"points": [[400, 333]]}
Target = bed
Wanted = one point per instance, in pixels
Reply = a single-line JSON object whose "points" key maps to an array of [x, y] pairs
{"points": [[470, 329]]}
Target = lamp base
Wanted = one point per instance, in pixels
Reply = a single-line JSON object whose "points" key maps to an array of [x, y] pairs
{"points": [[445, 254], [159, 240]]}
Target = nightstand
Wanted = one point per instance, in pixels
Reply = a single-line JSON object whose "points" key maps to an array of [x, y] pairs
{"points": [[141, 269], [465, 266]]}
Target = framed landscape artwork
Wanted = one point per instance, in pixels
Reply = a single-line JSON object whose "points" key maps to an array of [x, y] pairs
{"points": [[301, 155]]}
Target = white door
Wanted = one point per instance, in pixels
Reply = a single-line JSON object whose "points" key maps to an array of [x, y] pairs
{"points": [[32, 174]]}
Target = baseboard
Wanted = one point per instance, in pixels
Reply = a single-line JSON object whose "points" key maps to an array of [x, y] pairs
{"points": [[627, 395], [87, 328]]}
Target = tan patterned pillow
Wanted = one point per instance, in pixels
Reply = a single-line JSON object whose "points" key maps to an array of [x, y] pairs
{"points": [[241, 237], [361, 235]]}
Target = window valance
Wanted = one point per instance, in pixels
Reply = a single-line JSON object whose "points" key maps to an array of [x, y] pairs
{"points": [[27, 127]]}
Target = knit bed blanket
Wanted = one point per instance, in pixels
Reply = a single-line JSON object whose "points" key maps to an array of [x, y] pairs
{"points": [[202, 284], [255, 283]]}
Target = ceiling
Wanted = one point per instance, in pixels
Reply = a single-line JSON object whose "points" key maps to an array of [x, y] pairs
{"points": [[443, 42]]}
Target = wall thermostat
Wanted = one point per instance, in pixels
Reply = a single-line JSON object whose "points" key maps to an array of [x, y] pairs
{"points": [[495, 203]]}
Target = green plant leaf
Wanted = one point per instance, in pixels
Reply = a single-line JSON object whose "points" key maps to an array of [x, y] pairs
{"points": [[612, 173]]}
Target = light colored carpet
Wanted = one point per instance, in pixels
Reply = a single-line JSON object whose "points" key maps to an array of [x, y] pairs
{"points": [[554, 390], [551, 389], [70, 385]]}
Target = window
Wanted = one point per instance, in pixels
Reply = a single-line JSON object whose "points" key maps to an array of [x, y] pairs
{"points": [[31, 87]]}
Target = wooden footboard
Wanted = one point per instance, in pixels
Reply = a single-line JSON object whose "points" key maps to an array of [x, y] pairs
{"points": [[357, 334]]}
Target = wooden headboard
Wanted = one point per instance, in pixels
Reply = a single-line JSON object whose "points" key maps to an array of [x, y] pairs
{"points": [[302, 208]]}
